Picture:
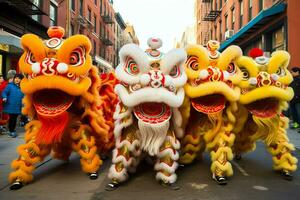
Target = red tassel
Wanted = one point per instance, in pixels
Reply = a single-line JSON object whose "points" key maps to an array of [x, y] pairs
{"points": [[52, 128]]}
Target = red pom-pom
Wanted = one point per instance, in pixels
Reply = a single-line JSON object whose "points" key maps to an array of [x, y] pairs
{"points": [[256, 52]]}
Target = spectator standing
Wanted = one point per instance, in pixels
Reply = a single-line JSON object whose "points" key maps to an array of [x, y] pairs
{"points": [[10, 75], [295, 102], [12, 98], [3, 117]]}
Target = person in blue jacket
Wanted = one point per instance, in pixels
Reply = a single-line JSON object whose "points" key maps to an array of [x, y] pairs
{"points": [[12, 98]]}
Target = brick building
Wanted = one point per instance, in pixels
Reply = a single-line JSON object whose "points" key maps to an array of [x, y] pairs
{"points": [[18, 17], [268, 24], [95, 19]]}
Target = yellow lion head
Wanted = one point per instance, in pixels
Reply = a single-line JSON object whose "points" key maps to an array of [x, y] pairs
{"points": [[264, 86], [212, 76]]}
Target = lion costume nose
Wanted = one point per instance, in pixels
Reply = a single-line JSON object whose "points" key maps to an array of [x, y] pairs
{"points": [[49, 67]]}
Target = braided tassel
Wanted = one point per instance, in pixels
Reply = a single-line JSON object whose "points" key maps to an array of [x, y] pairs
{"points": [[281, 149]]}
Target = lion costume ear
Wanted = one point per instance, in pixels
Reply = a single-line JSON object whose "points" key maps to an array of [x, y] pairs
{"points": [[197, 59], [229, 55], [33, 47], [278, 64], [76, 43]]}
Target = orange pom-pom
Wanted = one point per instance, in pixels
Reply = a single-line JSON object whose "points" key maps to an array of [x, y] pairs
{"points": [[56, 32]]}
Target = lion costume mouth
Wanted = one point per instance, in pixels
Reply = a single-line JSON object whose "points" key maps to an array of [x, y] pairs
{"points": [[209, 104], [51, 102], [264, 108]]}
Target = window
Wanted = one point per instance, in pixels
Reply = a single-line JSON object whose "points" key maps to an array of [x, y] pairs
{"points": [[261, 5], [80, 8], [53, 14], [95, 24], [215, 32], [250, 10], [220, 3], [94, 48], [89, 15], [72, 30], [241, 13], [73, 5], [220, 31], [226, 22], [37, 3], [101, 6], [95, 2], [233, 18], [278, 41]]}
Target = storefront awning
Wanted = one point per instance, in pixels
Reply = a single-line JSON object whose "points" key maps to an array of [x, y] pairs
{"points": [[254, 24], [10, 40]]}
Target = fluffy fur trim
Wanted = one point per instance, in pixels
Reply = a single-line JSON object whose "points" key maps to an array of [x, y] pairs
{"points": [[174, 142], [131, 146], [177, 122], [118, 115], [120, 158], [213, 88], [55, 82], [169, 179], [266, 92], [113, 174], [229, 55], [159, 166], [174, 155], [172, 58], [119, 125], [139, 56], [150, 95]]}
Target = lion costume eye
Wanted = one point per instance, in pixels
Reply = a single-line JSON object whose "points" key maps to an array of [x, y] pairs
{"points": [[131, 66], [175, 72], [77, 57], [231, 69], [280, 72], [192, 62], [245, 73], [30, 58]]}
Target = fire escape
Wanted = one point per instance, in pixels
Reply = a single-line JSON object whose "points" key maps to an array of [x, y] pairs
{"points": [[209, 12], [104, 37]]}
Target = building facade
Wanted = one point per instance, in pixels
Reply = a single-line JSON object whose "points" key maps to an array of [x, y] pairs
{"points": [[268, 24], [95, 19], [17, 18]]}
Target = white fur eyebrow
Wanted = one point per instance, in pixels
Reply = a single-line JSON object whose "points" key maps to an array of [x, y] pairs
{"points": [[172, 58]]}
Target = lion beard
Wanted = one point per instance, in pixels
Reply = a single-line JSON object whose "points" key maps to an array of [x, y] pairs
{"points": [[152, 136]]}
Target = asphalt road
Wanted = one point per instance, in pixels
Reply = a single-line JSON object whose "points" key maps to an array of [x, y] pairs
{"points": [[253, 179]]}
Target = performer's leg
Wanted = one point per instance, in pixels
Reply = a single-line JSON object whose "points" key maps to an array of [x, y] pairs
{"points": [[167, 161], [281, 149], [125, 157], [191, 145], [84, 144], [221, 154], [30, 154]]}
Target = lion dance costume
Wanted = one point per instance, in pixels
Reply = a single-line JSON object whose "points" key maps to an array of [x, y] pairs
{"points": [[264, 94], [208, 110], [147, 119], [62, 98]]}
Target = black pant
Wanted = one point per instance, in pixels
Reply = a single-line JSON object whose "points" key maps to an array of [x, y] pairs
{"points": [[12, 122]]}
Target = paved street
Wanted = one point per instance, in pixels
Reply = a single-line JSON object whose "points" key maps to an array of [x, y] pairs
{"points": [[253, 179]]}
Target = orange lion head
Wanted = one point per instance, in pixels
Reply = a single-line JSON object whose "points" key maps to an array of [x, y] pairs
{"points": [[61, 86]]}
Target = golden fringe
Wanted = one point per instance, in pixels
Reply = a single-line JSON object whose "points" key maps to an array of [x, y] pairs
{"points": [[281, 149], [267, 129]]}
